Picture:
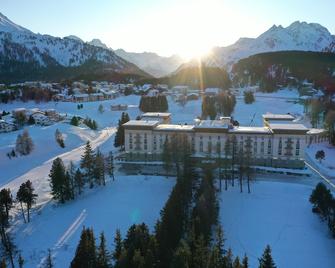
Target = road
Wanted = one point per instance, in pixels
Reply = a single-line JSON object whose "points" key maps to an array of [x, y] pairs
{"points": [[39, 175]]}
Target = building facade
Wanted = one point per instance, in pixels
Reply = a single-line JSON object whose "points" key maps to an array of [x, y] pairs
{"points": [[278, 143]]}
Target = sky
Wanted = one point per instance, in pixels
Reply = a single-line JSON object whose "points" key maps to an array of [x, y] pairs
{"points": [[185, 27]]}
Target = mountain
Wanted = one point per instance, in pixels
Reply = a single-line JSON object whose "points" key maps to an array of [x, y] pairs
{"points": [[300, 36], [210, 77], [151, 62], [97, 43], [26, 55], [286, 68]]}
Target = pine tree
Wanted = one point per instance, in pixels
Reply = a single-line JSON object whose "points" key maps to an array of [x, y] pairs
{"points": [[49, 261], [78, 181], [6, 200], [182, 256], [266, 260], [3, 264], [27, 196], [103, 257], [118, 247], [119, 136], [87, 163], [57, 180], [245, 261], [109, 165], [74, 121], [85, 256], [99, 168], [20, 261]]}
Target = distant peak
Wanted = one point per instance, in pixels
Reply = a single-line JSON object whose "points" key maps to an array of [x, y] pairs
{"points": [[6, 25], [98, 43], [73, 37]]}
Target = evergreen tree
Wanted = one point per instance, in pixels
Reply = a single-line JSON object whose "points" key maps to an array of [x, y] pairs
{"points": [[99, 168], [26, 195], [58, 180], [74, 121], [78, 181], [6, 200], [109, 165], [119, 136], [182, 256], [31, 120], [249, 97], [20, 261], [49, 261], [118, 247], [85, 256], [245, 262], [87, 163], [266, 260], [103, 257]]}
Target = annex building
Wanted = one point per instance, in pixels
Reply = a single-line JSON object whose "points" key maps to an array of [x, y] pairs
{"points": [[280, 142]]}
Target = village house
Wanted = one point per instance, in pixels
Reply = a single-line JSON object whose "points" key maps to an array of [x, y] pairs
{"points": [[6, 126]]}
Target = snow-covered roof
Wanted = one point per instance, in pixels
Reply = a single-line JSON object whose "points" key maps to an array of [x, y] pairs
{"points": [[153, 114], [212, 124], [316, 131], [288, 127], [252, 130], [141, 123], [270, 116], [171, 127]]}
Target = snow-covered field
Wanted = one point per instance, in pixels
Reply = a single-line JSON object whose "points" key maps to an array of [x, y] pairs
{"points": [[326, 166], [126, 201], [278, 213]]}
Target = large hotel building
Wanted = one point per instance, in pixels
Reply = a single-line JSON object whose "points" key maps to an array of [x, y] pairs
{"points": [[280, 142]]}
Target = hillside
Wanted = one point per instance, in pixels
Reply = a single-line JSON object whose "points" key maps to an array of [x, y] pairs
{"points": [[196, 77], [281, 67], [25, 55], [298, 36]]}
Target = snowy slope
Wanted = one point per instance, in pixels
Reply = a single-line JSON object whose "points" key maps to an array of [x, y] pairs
{"points": [[151, 62], [297, 36], [18, 44]]}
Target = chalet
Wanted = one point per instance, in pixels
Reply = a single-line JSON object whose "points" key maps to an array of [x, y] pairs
{"points": [[6, 126]]}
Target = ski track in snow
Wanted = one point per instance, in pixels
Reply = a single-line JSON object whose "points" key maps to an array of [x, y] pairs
{"points": [[65, 237]]}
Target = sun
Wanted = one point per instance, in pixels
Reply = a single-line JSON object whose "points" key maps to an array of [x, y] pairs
{"points": [[195, 51]]}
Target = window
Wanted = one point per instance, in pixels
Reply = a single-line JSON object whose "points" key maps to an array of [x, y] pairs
{"points": [[297, 148], [209, 147], [201, 147], [262, 147], [255, 147], [218, 147], [280, 147], [269, 146]]}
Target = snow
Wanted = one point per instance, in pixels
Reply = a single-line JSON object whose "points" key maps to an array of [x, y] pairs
{"points": [[278, 213], [126, 201], [326, 166]]}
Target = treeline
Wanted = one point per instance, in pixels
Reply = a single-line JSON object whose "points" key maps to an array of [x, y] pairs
{"points": [[273, 68], [200, 77], [157, 103], [68, 182], [26, 94], [324, 205], [222, 104], [25, 198], [119, 136]]}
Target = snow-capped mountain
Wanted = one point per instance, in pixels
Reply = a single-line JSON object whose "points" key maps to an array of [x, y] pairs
{"points": [[300, 36], [152, 63], [97, 43], [21, 46]]}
